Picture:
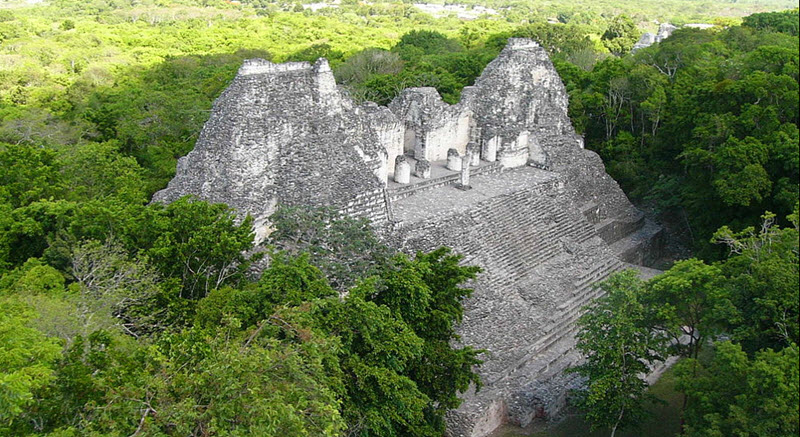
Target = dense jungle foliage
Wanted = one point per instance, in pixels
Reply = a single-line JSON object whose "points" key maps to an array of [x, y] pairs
{"points": [[120, 317], [743, 311]]}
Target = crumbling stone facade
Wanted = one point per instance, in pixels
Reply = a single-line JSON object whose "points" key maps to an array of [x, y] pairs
{"points": [[535, 210]]}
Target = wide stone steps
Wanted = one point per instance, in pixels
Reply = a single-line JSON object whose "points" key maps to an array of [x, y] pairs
{"points": [[533, 233], [584, 293], [551, 361], [527, 247], [584, 232], [511, 236], [371, 205], [598, 272], [563, 328]]}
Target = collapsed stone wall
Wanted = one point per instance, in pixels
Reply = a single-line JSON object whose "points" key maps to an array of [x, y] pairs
{"points": [[542, 218], [431, 126], [518, 100], [647, 39]]}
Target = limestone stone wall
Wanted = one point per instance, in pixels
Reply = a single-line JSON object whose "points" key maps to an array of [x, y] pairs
{"points": [[520, 91], [390, 132], [432, 126], [517, 101]]}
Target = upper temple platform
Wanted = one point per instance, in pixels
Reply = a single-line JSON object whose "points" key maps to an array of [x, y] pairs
{"points": [[449, 200]]}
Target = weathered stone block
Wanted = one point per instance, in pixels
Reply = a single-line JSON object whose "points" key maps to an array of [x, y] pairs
{"points": [[489, 149], [453, 160], [422, 169], [402, 170]]}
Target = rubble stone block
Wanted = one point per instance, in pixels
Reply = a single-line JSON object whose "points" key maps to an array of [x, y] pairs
{"points": [[422, 169]]}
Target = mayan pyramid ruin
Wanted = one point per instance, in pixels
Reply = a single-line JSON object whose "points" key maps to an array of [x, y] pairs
{"points": [[500, 177]]}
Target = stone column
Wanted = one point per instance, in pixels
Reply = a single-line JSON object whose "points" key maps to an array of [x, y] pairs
{"points": [[489, 151], [537, 157], [473, 151], [423, 169], [474, 137], [453, 160], [464, 185], [402, 170]]}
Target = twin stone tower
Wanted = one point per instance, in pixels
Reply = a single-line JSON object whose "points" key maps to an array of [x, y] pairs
{"points": [[500, 177]]}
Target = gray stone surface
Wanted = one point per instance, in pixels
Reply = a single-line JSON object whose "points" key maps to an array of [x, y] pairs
{"points": [[540, 257], [664, 31], [402, 170], [542, 218]]}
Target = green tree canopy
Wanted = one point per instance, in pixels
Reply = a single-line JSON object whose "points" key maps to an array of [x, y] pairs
{"points": [[619, 347], [737, 395], [785, 21], [621, 35], [762, 280]]}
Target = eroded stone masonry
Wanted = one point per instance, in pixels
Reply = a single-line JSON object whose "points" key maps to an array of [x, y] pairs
{"points": [[501, 177]]}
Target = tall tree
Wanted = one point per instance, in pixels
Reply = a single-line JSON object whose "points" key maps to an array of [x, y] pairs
{"points": [[621, 35], [691, 304], [26, 359], [619, 347], [762, 279], [426, 292], [734, 395]]}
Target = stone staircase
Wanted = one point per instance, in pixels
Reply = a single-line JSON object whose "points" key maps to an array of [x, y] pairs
{"points": [[376, 205], [372, 205], [634, 238], [542, 250], [542, 354], [531, 230]]}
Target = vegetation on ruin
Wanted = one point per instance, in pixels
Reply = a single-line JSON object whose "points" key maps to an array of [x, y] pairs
{"points": [[118, 317], [619, 347]]}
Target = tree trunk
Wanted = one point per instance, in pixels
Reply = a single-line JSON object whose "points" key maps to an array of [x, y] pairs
{"points": [[619, 419], [683, 414]]}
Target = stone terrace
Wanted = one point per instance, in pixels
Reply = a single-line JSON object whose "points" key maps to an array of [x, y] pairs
{"points": [[452, 200]]}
